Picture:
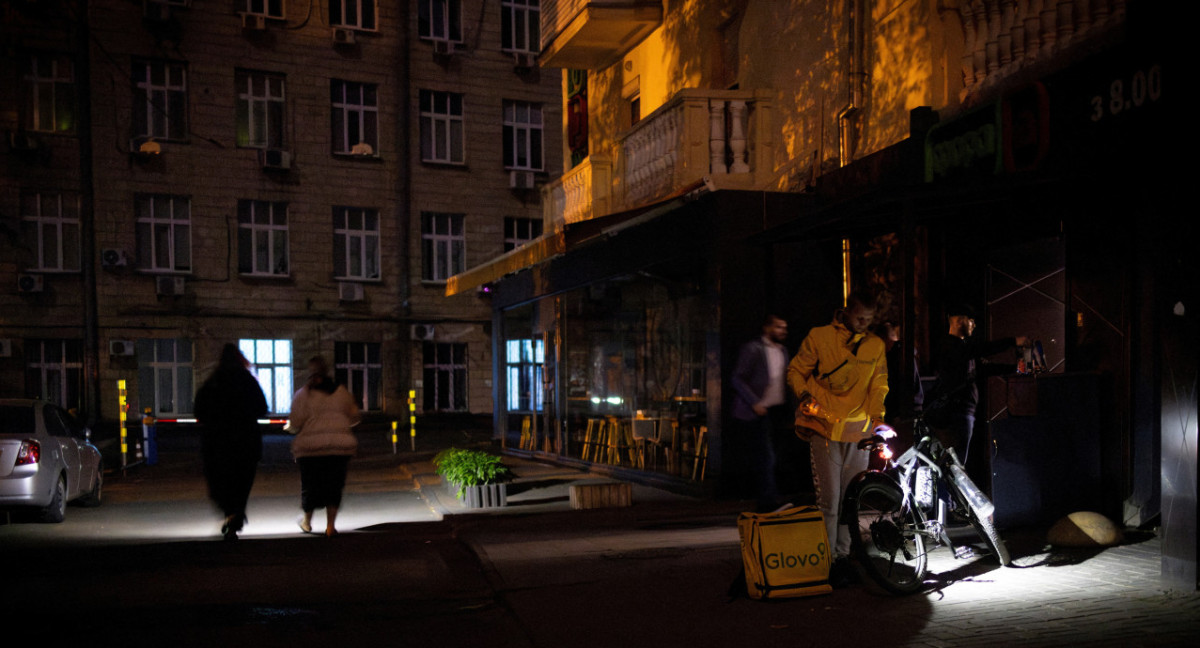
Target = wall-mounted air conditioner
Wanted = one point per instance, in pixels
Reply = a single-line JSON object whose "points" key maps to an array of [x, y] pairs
{"points": [[520, 180], [169, 286], [343, 36], [113, 258], [120, 347], [275, 159], [422, 332], [349, 291], [30, 283], [253, 21]]}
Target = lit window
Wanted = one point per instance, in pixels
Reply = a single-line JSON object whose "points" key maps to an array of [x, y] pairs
{"points": [[524, 360], [442, 127], [359, 14], [50, 229], [519, 231], [440, 20], [159, 100], [262, 238], [355, 117], [260, 110], [165, 377], [164, 232], [520, 25], [54, 372], [50, 94], [271, 362], [268, 8], [358, 366], [443, 246], [445, 376], [522, 135], [355, 243]]}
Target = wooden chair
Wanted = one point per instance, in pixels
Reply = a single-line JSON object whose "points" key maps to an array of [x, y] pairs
{"points": [[526, 442], [591, 440], [700, 462]]}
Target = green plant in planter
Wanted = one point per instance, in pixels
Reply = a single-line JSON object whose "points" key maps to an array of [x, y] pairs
{"points": [[466, 468]]}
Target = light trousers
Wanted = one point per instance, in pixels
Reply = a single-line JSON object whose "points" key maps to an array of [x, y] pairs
{"points": [[834, 464]]}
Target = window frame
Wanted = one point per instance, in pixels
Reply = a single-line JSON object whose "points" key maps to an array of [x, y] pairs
{"points": [[528, 135], [511, 14], [346, 116], [179, 367], [60, 86], [513, 238], [368, 239], [448, 29], [275, 376], [525, 371], [173, 128], [267, 107], [278, 12], [359, 366], [148, 252], [457, 369], [443, 250], [66, 229], [64, 364], [253, 233], [442, 111], [359, 19]]}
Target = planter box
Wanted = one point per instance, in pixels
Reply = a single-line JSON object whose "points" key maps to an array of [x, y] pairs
{"points": [[486, 496]]}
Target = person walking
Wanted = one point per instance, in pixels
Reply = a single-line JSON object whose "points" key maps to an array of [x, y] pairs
{"points": [[323, 413], [758, 400], [840, 376], [228, 407]]}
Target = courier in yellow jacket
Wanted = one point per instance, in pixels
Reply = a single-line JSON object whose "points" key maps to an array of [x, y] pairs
{"points": [[840, 377]]}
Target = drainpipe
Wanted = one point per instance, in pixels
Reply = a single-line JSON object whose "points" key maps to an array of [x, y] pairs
{"points": [[848, 115]]}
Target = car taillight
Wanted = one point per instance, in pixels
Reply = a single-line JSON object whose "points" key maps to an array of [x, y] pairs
{"points": [[30, 453]]}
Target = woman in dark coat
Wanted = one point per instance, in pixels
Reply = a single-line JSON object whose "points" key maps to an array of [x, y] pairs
{"points": [[228, 406]]}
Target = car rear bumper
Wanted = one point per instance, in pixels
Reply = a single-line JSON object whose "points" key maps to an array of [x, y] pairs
{"points": [[26, 486]]}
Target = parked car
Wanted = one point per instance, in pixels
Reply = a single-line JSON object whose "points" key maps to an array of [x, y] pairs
{"points": [[46, 459]]}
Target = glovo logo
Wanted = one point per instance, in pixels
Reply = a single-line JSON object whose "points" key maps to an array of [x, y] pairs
{"points": [[792, 561]]}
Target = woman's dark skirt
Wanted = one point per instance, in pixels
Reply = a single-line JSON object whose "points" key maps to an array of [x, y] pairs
{"points": [[322, 480]]}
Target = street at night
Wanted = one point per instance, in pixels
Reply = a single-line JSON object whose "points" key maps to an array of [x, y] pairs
{"points": [[414, 568]]}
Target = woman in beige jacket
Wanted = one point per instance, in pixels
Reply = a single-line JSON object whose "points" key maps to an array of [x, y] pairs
{"points": [[323, 413]]}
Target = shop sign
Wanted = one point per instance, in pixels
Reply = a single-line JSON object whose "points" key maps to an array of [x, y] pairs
{"points": [[1009, 136]]}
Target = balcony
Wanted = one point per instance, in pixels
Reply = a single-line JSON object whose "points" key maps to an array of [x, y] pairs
{"points": [[580, 194], [721, 137], [583, 35]]}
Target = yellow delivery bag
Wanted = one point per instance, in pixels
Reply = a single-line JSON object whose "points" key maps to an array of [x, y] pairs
{"points": [[785, 553]]}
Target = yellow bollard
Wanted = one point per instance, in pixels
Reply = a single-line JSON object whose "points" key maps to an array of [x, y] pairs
{"points": [[412, 419], [122, 407]]}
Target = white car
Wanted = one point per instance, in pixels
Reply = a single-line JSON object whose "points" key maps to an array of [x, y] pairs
{"points": [[46, 459]]}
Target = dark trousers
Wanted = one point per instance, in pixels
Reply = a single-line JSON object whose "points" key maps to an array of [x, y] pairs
{"points": [[229, 482], [957, 434], [322, 480], [756, 459]]}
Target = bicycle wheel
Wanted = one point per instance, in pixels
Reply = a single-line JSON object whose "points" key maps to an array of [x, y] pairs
{"points": [[981, 523], [884, 538]]}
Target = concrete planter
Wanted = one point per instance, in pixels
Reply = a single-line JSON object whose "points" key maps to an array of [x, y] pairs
{"points": [[485, 496]]}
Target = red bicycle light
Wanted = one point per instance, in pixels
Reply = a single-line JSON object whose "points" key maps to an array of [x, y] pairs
{"points": [[29, 453], [885, 452]]}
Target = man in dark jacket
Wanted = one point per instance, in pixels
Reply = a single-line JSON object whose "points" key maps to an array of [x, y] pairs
{"points": [[958, 365], [229, 405], [758, 399]]}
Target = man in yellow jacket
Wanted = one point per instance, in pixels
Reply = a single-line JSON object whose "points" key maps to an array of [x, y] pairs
{"points": [[840, 377]]}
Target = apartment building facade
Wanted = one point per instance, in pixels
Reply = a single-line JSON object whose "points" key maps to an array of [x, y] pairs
{"points": [[296, 178]]}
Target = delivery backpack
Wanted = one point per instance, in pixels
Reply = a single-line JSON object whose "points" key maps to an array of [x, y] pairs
{"points": [[785, 553]]}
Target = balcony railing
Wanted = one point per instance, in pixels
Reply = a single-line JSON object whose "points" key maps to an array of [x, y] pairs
{"points": [[580, 194], [722, 135], [588, 35]]}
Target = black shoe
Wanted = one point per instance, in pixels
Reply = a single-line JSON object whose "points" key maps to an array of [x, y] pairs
{"points": [[842, 572]]}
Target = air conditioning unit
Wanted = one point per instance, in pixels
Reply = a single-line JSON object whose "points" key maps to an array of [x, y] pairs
{"points": [[5, 348], [253, 21], [30, 283], [524, 60], [443, 47], [421, 332], [156, 10], [113, 258], [349, 291], [23, 141], [275, 159], [169, 286], [520, 180], [343, 36], [120, 347]]}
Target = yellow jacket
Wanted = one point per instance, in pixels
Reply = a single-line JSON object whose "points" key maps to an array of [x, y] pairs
{"points": [[845, 375]]}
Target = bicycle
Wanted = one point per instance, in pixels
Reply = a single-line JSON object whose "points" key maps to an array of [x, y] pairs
{"points": [[900, 513]]}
